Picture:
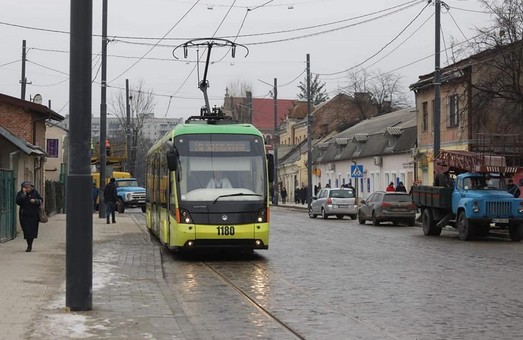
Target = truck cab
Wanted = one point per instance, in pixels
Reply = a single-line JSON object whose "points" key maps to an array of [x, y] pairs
{"points": [[483, 199], [130, 194]]}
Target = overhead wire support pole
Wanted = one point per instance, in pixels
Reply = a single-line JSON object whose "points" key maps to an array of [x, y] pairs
{"points": [[103, 113], [23, 82], [128, 125], [437, 81], [79, 216], [275, 142], [309, 134]]}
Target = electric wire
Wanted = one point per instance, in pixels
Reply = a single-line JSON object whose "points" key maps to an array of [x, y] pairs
{"points": [[456, 23], [392, 51], [146, 53], [381, 49], [196, 66], [407, 4], [46, 67], [397, 10], [11, 62]]}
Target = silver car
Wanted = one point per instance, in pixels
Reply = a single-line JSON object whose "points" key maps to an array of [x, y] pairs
{"points": [[334, 201]]}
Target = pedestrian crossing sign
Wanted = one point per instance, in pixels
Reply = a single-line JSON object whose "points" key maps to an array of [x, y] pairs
{"points": [[356, 171]]}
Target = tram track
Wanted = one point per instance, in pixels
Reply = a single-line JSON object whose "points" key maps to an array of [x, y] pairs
{"points": [[292, 287], [253, 301]]}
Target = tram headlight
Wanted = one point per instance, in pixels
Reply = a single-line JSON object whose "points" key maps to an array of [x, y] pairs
{"points": [[262, 215], [185, 217]]}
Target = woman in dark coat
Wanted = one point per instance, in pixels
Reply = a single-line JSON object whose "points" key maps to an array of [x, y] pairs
{"points": [[29, 201]]}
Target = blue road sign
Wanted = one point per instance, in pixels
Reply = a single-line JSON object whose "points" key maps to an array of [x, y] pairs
{"points": [[356, 171]]}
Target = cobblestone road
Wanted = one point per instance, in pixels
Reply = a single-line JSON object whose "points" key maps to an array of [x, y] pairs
{"points": [[341, 280]]}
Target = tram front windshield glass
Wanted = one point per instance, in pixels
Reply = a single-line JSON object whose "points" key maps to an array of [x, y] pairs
{"points": [[228, 167]]}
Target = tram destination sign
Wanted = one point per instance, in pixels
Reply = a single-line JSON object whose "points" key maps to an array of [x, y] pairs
{"points": [[219, 146]]}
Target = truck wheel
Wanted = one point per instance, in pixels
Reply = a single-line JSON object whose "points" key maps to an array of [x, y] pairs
{"points": [[120, 206], [464, 229], [515, 231], [429, 225]]}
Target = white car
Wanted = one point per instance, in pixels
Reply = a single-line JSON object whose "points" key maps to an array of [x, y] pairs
{"points": [[334, 201]]}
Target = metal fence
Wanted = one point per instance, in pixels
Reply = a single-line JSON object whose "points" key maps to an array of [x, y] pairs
{"points": [[7, 206]]}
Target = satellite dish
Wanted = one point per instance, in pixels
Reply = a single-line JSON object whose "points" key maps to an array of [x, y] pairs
{"points": [[37, 99]]}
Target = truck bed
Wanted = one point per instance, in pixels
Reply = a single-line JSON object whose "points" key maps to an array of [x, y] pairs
{"points": [[432, 196]]}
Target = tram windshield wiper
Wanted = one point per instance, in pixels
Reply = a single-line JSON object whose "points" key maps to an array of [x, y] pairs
{"points": [[232, 195]]}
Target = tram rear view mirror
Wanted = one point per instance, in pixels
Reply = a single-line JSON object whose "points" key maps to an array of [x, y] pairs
{"points": [[270, 165], [172, 157]]}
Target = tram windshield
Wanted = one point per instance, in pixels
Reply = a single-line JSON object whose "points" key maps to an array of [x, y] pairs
{"points": [[221, 167]]}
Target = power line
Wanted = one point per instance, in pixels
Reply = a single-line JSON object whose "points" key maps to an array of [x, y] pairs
{"points": [[11, 62], [381, 49], [146, 53], [406, 4]]}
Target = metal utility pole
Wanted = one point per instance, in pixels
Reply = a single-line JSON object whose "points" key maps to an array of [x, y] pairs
{"points": [[128, 127], [275, 142], [103, 112], [24, 79], [79, 216], [309, 134], [437, 81]]}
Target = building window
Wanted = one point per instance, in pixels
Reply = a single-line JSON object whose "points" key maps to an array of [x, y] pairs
{"points": [[52, 148], [452, 111], [425, 111]]}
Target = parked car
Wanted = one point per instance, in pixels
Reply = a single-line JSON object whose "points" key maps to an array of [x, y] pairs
{"points": [[334, 201], [384, 206]]}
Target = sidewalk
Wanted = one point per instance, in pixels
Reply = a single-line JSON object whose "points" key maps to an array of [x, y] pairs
{"points": [[130, 298]]}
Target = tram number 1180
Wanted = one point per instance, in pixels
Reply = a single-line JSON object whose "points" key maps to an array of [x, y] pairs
{"points": [[225, 230]]}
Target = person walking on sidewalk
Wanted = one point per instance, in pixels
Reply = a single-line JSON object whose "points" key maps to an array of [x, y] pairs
{"points": [[110, 198], [283, 195], [29, 201], [96, 192]]}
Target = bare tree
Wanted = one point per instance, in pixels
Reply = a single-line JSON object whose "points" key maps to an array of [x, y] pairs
{"points": [[142, 104], [239, 88], [376, 91], [499, 88]]}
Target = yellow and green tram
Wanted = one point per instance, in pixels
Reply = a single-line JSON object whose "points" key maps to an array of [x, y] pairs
{"points": [[207, 186]]}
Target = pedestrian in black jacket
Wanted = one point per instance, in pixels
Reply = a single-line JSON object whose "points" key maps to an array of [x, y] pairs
{"points": [[29, 201], [110, 198]]}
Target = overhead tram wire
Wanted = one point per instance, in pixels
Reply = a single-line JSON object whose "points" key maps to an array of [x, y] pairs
{"points": [[196, 66], [407, 4], [381, 49], [326, 31], [397, 8], [389, 53], [146, 53], [247, 11]]}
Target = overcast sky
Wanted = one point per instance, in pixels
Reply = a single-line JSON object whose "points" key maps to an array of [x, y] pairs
{"points": [[388, 35]]}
